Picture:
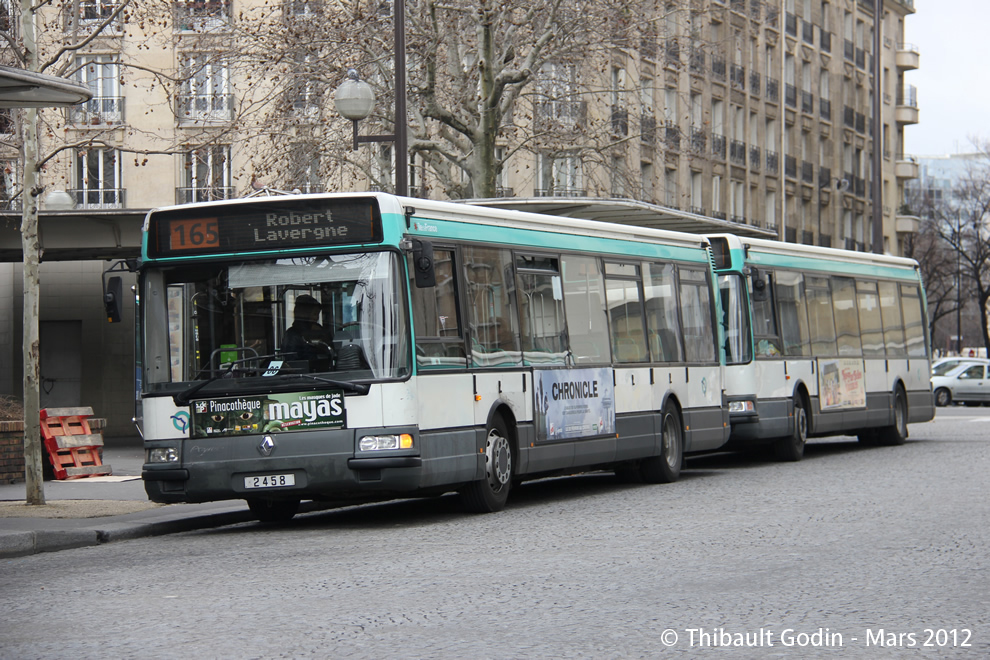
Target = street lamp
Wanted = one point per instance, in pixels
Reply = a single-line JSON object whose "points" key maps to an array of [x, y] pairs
{"points": [[355, 100]]}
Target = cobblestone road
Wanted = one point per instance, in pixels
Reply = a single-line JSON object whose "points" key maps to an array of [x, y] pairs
{"points": [[854, 552]]}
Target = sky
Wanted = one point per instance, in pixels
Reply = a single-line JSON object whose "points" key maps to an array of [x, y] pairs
{"points": [[953, 80]]}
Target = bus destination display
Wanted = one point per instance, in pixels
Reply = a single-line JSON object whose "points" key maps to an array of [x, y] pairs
{"points": [[276, 226]]}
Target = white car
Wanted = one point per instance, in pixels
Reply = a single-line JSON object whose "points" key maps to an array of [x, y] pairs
{"points": [[968, 382], [945, 365]]}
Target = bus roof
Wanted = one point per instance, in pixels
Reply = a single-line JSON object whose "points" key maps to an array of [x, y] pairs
{"points": [[812, 251]]}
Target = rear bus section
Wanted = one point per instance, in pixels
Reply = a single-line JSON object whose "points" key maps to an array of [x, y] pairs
{"points": [[821, 342]]}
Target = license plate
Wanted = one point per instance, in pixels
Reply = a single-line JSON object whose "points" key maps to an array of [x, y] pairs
{"points": [[270, 481]]}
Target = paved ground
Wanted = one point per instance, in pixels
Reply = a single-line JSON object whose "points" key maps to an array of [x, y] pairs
{"points": [[98, 510]]}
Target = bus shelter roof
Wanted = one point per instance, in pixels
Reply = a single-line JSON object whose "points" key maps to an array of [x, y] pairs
{"points": [[627, 212], [26, 89]]}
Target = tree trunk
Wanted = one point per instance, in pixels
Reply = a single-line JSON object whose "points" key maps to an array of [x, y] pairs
{"points": [[33, 475]]}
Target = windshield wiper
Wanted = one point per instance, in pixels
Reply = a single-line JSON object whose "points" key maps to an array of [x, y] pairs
{"points": [[357, 388], [183, 397]]}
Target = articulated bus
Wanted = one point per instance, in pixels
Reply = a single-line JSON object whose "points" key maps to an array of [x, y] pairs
{"points": [[821, 342], [365, 346]]}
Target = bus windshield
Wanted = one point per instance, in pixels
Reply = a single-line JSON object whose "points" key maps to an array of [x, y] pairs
{"points": [[341, 317]]}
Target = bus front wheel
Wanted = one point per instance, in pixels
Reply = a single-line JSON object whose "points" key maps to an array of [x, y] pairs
{"points": [[791, 448], [488, 494]]}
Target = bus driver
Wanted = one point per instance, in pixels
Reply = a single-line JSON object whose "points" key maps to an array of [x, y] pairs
{"points": [[306, 339]]}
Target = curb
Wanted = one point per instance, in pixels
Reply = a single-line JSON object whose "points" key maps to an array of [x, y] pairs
{"points": [[20, 544]]}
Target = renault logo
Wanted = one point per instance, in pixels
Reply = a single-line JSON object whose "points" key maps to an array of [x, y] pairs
{"points": [[267, 446]]}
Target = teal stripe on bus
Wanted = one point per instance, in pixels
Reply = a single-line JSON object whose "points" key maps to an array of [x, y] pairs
{"points": [[545, 240]]}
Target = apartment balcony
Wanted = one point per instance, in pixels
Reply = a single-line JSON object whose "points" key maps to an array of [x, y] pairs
{"points": [[718, 145], [737, 152], [907, 224], [620, 121], [907, 57], [906, 111], [671, 135], [648, 129], [202, 15], [562, 115], [189, 195], [98, 198], [907, 167], [205, 108], [99, 112], [560, 192]]}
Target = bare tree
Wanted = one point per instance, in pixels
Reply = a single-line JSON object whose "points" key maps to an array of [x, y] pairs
{"points": [[960, 220]]}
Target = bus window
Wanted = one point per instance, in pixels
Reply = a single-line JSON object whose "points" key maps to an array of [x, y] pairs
{"points": [[846, 317], [541, 311], [696, 316], [765, 321], [820, 316], [794, 332], [914, 321], [661, 313], [584, 305], [893, 322], [627, 323], [870, 323], [439, 343], [738, 342], [491, 308]]}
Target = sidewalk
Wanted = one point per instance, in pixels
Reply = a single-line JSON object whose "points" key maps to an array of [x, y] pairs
{"points": [[96, 510]]}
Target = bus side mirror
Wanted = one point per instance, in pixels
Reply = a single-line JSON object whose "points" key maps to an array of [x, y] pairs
{"points": [[761, 292], [423, 265], [113, 301]]}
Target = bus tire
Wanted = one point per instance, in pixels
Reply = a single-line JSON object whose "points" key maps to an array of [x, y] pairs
{"points": [[791, 448], [267, 510], [488, 494], [896, 433], [666, 468], [943, 397]]}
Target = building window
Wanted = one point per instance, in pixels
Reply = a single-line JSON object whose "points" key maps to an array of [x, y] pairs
{"points": [[91, 13], [205, 175], [98, 179], [101, 73], [205, 94], [560, 176], [557, 96]]}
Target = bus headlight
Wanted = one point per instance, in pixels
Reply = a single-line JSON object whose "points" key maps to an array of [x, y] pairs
{"points": [[163, 455], [742, 406], [385, 442]]}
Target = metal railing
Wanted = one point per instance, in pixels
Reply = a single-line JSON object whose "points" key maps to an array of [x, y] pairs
{"points": [[98, 110], [188, 195], [98, 198]]}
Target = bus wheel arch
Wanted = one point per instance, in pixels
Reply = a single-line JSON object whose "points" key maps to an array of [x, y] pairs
{"points": [[666, 467], [489, 494]]}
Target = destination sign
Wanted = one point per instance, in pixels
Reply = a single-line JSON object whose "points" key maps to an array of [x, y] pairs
{"points": [[278, 224]]}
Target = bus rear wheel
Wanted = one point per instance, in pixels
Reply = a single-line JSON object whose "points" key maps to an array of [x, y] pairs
{"points": [[896, 433], [489, 494], [666, 468], [273, 511], [791, 448]]}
